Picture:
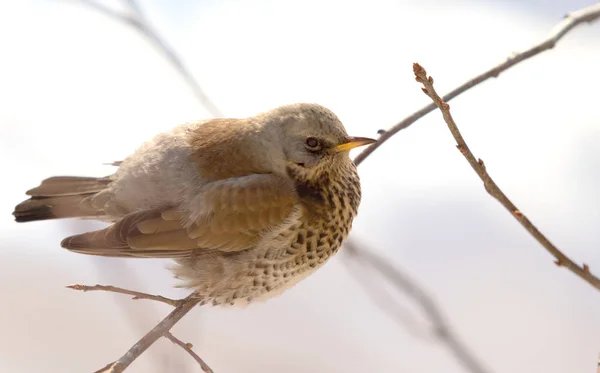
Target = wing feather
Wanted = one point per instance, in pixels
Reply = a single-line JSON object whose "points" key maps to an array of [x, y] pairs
{"points": [[231, 215]]}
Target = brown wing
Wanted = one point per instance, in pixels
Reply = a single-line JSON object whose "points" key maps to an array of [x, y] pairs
{"points": [[231, 216]]}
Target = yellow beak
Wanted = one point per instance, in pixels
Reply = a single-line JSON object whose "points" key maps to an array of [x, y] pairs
{"points": [[352, 143]]}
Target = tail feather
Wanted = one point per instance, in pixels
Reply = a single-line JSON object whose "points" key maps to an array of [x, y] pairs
{"points": [[69, 186], [61, 197]]}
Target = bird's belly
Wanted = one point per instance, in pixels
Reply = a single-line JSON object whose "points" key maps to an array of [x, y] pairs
{"points": [[259, 274]]}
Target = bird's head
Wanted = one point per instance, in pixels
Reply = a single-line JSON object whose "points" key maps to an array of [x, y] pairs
{"points": [[313, 139]]}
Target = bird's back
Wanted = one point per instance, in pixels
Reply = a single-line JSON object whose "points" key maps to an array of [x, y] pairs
{"points": [[159, 173]]}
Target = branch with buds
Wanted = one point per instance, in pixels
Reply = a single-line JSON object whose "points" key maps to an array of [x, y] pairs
{"points": [[492, 188], [572, 20]]}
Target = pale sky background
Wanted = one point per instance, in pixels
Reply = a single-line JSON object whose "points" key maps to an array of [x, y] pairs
{"points": [[78, 89]]}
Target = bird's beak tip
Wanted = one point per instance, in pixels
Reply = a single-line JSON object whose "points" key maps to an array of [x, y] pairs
{"points": [[354, 142]]}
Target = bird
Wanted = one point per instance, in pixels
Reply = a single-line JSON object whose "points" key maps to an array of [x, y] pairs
{"points": [[244, 207]]}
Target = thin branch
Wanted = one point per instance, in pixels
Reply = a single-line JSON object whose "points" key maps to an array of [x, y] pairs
{"points": [[135, 294], [381, 298], [139, 23], [148, 340], [408, 286], [188, 347], [107, 11], [153, 335], [135, 8], [490, 186], [121, 273], [573, 19], [106, 368]]}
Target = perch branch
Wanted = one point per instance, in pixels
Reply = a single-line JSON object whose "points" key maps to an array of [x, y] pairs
{"points": [[136, 20], [119, 272], [573, 19], [135, 294], [408, 286], [153, 335], [188, 347], [490, 186]]}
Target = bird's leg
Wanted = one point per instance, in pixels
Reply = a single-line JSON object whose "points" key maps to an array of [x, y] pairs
{"points": [[135, 294]]}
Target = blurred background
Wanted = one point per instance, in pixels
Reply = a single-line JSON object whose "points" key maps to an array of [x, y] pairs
{"points": [[79, 87]]}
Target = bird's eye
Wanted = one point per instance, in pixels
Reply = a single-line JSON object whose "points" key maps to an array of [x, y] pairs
{"points": [[312, 143]]}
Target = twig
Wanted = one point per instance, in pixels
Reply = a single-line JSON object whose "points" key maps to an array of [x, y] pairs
{"points": [[140, 23], [119, 272], [381, 298], [135, 8], [573, 19], [490, 186], [119, 366], [188, 347], [153, 335], [406, 285], [135, 294], [111, 12], [106, 368]]}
